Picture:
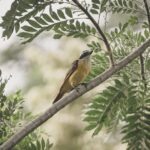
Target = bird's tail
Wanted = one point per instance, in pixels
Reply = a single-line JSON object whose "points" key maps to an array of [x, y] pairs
{"points": [[59, 96]]}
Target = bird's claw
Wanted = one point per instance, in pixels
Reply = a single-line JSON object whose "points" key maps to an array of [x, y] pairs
{"points": [[84, 84], [78, 87]]}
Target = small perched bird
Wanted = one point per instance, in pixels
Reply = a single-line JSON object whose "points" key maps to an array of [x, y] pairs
{"points": [[79, 70]]}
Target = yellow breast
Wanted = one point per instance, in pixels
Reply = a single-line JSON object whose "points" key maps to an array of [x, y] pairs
{"points": [[81, 72]]}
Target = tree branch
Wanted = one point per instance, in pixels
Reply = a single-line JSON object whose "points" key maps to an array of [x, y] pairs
{"points": [[148, 12], [16, 138], [98, 29]]}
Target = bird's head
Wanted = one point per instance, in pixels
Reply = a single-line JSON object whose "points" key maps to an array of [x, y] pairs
{"points": [[85, 53]]}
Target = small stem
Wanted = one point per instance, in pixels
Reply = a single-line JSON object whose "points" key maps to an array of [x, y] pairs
{"points": [[148, 13], [98, 29]]}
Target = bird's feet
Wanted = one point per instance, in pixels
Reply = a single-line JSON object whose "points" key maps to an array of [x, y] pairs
{"points": [[84, 84], [78, 86]]}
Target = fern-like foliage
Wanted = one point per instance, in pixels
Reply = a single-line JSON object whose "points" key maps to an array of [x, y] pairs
{"points": [[100, 61], [45, 22], [33, 142], [13, 117], [106, 105], [20, 11], [40, 16], [123, 101], [122, 6], [98, 6], [137, 129]]}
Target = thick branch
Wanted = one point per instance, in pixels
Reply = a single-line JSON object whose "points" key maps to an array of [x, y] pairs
{"points": [[147, 11], [98, 29], [142, 70], [71, 97]]}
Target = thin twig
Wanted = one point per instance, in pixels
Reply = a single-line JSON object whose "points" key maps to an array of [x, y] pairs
{"points": [[17, 137], [143, 70], [98, 29], [148, 12]]}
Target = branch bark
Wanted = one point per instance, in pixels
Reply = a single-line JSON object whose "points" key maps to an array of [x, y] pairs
{"points": [[16, 138], [148, 12], [98, 29]]}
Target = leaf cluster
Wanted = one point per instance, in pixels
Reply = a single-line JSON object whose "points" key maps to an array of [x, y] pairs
{"points": [[34, 142], [13, 117], [9, 107], [20, 11], [122, 6], [124, 101]]}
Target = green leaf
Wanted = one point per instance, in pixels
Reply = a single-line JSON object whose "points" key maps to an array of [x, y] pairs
{"points": [[25, 35], [90, 127], [97, 130], [93, 11], [57, 36], [96, 1], [95, 6], [103, 3], [147, 65], [17, 27], [47, 18], [93, 112], [78, 25], [88, 29], [61, 14], [131, 4], [93, 30], [28, 29], [146, 33], [90, 118], [54, 16], [34, 24], [40, 20], [38, 145], [33, 147], [68, 12], [43, 143], [56, 27], [83, 26]]}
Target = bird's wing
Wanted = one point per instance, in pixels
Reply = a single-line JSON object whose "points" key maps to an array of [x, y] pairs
{"points": [[72, 69], [69, 73], [66, 85]]}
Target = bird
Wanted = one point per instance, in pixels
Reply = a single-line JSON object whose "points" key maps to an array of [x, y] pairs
{"points": [[78, 71]]}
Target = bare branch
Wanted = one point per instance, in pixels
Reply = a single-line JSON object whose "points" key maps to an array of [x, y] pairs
{"points": [[143, 70], [98, 29], [148, 12], [16, 138]]}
